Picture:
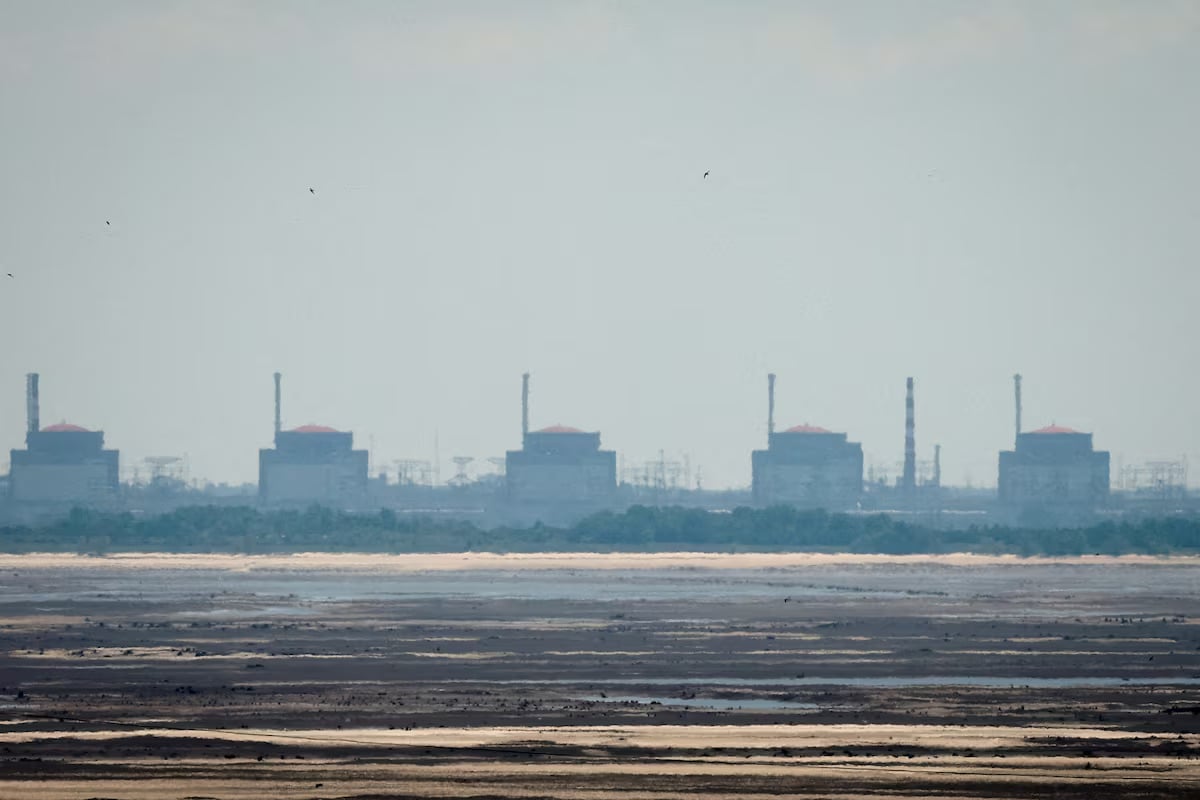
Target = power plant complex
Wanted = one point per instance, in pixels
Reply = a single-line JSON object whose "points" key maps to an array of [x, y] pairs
{"points": [[806, 466], [559, 465], [1052, 476], [61, 464], [311, 464], [1052, 472]]}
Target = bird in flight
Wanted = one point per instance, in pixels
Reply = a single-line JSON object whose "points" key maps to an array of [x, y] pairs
{"points": [[10, 274], [106, 222], [705, 173], [311, 190]]}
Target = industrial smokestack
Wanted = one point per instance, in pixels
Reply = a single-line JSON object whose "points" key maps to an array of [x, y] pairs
{"points": [[278, 418], [770, 405], [524, 406], [909, 482], [937, 465], [1017, 396], [32, 415]]}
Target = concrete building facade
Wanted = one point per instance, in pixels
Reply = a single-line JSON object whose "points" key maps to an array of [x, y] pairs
{"points": [[1054, 470], [64, 464], [808, 467], [61, 464], [561, 465], [312, 464], [559, 468]]}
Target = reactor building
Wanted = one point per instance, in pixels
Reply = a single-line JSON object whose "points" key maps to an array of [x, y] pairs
{"points": [[61, 464], [806, 466], [1053, 470], [559, 465], [311, 464]]}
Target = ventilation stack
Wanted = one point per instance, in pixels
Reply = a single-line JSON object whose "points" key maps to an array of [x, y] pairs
{"points": [[32, 413], [937, 466], [524, 406], [770, 406], [909, 481], [278, 418], [1017, 397]]}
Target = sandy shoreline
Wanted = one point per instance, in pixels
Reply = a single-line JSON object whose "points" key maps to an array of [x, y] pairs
{"points": [[421, 562]]}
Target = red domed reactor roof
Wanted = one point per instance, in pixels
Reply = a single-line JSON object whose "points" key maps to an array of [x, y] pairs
{"points": [[807, 429], [1055, 429], [559, 429], [64, 427], [314, 429]]}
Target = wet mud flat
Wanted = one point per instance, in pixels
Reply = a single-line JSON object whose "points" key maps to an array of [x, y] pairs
{"points": [[334, 676]]}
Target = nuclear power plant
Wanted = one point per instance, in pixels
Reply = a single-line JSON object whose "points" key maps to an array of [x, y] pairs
{"points": [[806, 466], [61, 464], [1052, 476], [559, 466], [311, 464]]}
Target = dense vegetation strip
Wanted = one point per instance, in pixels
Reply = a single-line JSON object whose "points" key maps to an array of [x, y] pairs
{"points": [[212, 529]]}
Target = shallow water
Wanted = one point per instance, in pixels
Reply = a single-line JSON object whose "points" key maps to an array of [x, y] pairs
{"points": [[1003, 682], [709, 703]]}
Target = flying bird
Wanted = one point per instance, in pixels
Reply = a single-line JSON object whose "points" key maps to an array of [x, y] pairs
{"points": [[10, 274], [106, 222], [311, 190], [705, 173]]}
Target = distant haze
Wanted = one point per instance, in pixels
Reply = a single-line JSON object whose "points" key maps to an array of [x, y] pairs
{"points": [[953, 191]]}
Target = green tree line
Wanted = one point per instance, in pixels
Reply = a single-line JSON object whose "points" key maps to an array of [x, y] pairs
{"points": [[214, 529]]}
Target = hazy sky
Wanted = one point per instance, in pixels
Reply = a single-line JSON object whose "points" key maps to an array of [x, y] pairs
{"points": [[954, 191]]}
